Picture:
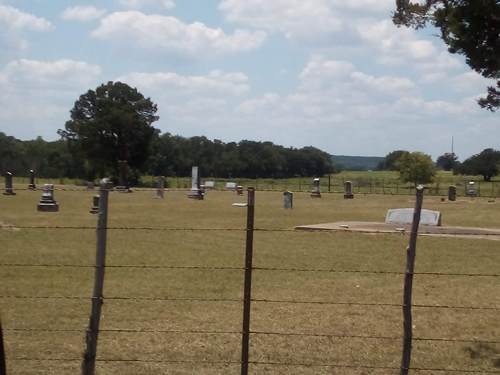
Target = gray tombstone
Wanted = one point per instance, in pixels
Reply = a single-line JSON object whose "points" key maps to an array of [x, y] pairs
{"points": [[452, 193], [95, 205], [32, 185], [239, 190], [90, 185], [209, 185], [47, 202], [287, 200], [195, 192], [123, 186], [348, 190], [471, 190], [231, 186], [316, 192], [160, 187], [9, 189]]}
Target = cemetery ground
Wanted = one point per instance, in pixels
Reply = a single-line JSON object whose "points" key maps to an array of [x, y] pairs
{"points": [[162, 319]]}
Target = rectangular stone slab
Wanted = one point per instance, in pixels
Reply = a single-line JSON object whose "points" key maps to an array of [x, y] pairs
{"points": [[405, 216]]}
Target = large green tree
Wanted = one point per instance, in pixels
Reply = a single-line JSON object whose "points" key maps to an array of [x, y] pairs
{"points": [[447, 161], [111, 123], [468, 27], [416, 167], [486, 164]]}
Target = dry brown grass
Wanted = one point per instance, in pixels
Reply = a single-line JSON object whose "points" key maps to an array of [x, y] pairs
{"points": [[341, 251]]}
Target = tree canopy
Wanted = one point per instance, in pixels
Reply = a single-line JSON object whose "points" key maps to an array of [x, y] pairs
{"points": [[468, 27], [111, 123], [486, 164], [447, 162], [416, 167], [391, 160]]}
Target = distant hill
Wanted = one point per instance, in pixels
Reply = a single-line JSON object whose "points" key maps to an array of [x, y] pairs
{"points": [[357, 163]]}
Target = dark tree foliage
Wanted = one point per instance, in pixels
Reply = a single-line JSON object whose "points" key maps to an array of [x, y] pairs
{"points": [[390, 162], [486, 164], [448, 161], [110, 124], [468, 27], [174, 155]]}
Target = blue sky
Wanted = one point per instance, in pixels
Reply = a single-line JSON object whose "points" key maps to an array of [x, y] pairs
{"points": [[335, 74]]}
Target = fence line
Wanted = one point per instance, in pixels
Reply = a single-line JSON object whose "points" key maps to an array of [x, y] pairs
{"points": [[90, 356]]}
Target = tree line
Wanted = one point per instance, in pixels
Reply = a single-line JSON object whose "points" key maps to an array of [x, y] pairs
{"points": [[169, 155]]}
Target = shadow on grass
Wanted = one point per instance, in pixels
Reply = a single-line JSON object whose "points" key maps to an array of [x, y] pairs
{"points": [[483, 351]]}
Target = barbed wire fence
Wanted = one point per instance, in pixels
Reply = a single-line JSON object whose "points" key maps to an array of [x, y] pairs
{"points": [[90, 357]]}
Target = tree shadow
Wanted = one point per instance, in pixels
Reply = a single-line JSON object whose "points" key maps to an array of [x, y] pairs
{"points": [[482, 351]]}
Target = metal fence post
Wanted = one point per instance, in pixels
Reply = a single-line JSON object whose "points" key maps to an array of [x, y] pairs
{"points": [[247, 294], [89, 357], [408, 284]]}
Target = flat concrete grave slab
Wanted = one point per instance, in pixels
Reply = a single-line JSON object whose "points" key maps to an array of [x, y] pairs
{"points": [[405, 216], [425, 230]]}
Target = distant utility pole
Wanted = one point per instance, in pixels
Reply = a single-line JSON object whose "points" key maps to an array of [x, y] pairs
{"points": [[452, 145]]}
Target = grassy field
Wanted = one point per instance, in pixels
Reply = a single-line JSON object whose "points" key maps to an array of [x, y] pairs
{"points": [[41, 328]]}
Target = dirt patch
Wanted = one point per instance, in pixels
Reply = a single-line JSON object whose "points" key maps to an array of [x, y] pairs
{"points": [[426, 230]]}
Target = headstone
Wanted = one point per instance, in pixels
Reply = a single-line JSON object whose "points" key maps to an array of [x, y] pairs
{"points": [[405, 216], [123, 186], [348, 190], [452, 193], [239, 190], [160, 187], [471, 190], [95, 205], [288, 200], [209, 185], [9, 189], [32, 185], [316, 192], [195, 192], [90, 185], [47, 202], [231, 186]]}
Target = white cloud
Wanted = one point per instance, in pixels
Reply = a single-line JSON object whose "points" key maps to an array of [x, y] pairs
{"points": [[215, 83], [139, 4], [13, 18], [294, 18], [168, 34], [49, 75], [82, 13]]}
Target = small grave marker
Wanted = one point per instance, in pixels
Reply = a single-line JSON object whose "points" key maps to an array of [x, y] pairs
{"points": [[209, 185], [316, 192], [239, 190], [160, 187], [348, 190], [32, 185], [471, 190], [231, 186], [9, 189], [95, 205], [452, 193], [405, 216], [287, 200], [47, 202]]}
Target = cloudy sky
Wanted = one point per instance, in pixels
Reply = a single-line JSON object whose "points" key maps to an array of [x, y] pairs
{"points": [[335, 74]]}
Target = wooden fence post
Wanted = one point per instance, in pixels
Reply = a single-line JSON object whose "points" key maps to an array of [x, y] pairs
{"points": [[89, 357], [247, 293], [408, 284], [3, 366]]}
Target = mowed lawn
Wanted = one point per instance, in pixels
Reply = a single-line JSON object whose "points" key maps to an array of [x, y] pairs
{"points": [[186, 320]]}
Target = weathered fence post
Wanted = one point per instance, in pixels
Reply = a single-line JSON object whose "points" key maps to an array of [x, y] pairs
{"points": [[329, 183], [408, 285], [247, 293], [3, 366], [89, 357]]}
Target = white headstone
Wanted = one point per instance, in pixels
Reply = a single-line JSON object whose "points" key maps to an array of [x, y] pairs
{"points": [[405, 216], [231, 185], [195, 183], [209, 184]]}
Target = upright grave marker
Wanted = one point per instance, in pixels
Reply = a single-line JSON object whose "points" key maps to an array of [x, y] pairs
{"points": [[195, 192], [452, 193], [316, 192], [287, 200], [160, 187], [9, 189], [47, 202], [123, 186], [32, 185], [348, 190]]}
